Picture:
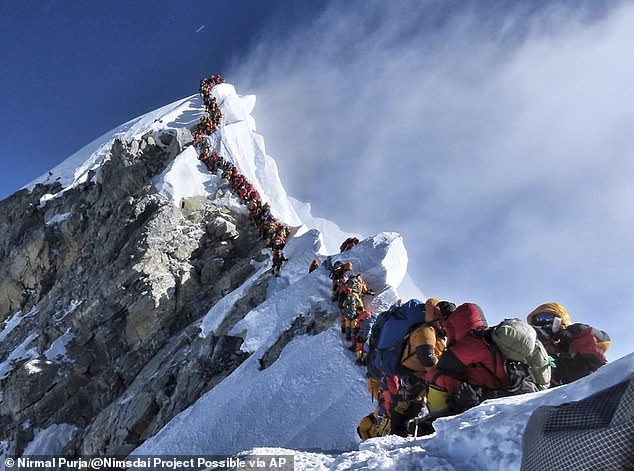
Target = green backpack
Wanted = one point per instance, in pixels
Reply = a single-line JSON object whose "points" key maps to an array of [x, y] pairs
{"points": [[517, 341]]}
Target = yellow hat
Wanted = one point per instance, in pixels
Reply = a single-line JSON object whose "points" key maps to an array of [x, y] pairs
{"points": [[552, 308]]}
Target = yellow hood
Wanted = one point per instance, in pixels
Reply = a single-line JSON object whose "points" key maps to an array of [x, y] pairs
{"points": [[552, 308], [430, 304]]}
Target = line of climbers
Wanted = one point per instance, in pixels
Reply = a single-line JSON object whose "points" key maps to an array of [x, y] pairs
{"points": [[433, 359], [273, 231], [348, 290], [211, 121]]}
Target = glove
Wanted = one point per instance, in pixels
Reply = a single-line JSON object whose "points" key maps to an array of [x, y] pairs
{"points": [[373, 387], [467, 396]]}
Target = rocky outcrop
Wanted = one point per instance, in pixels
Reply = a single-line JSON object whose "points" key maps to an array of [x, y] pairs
{"points": [[101, 286], [310, 324]]}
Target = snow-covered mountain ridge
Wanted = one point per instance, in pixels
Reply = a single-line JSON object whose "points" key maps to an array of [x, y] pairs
{"points": [[137, 290], [136, 285]]}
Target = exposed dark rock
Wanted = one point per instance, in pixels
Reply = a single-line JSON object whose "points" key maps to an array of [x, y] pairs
{"points": [[108, 280], [315, 322]]}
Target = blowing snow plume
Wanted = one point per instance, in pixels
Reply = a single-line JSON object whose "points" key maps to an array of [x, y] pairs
{"points": [[493, 138]]}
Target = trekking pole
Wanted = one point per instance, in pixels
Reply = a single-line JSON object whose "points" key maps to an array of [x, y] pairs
{"points": [[421, 415]]}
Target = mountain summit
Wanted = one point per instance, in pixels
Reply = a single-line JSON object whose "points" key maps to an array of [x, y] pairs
{"points": [[135, 285]]}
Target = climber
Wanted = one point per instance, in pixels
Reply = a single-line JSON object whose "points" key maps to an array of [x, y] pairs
{"points": [[350, 306], [375, 424], [467, 362], [254, 209], [199, 138], [412, 340], [280, 235], [339, 274], [408, 403], [348, 244], [230, 173], [577, 349], [314, 265], [237, 183], [219, 162], [355, 327], [284, 232], [484, 363], [254, 195], [363, 324], [278, 243], [424, 344], [265, 215], [387, 394], [278, 259], [205, 156], [270, 229], [358, 286]]}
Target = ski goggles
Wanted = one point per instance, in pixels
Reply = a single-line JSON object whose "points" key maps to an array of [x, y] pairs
{"points": [[543, 318]]}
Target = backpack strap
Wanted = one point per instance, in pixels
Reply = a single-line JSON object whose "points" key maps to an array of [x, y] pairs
{"points": [[509, 386], [410, 353], [450, 365]]}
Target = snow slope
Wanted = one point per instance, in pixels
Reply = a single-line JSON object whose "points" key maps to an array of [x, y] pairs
{"points": [[313, 395], [487, 437]]}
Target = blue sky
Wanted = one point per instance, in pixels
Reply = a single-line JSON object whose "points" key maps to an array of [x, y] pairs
{"points": [[71, 70], [495, 136]]}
